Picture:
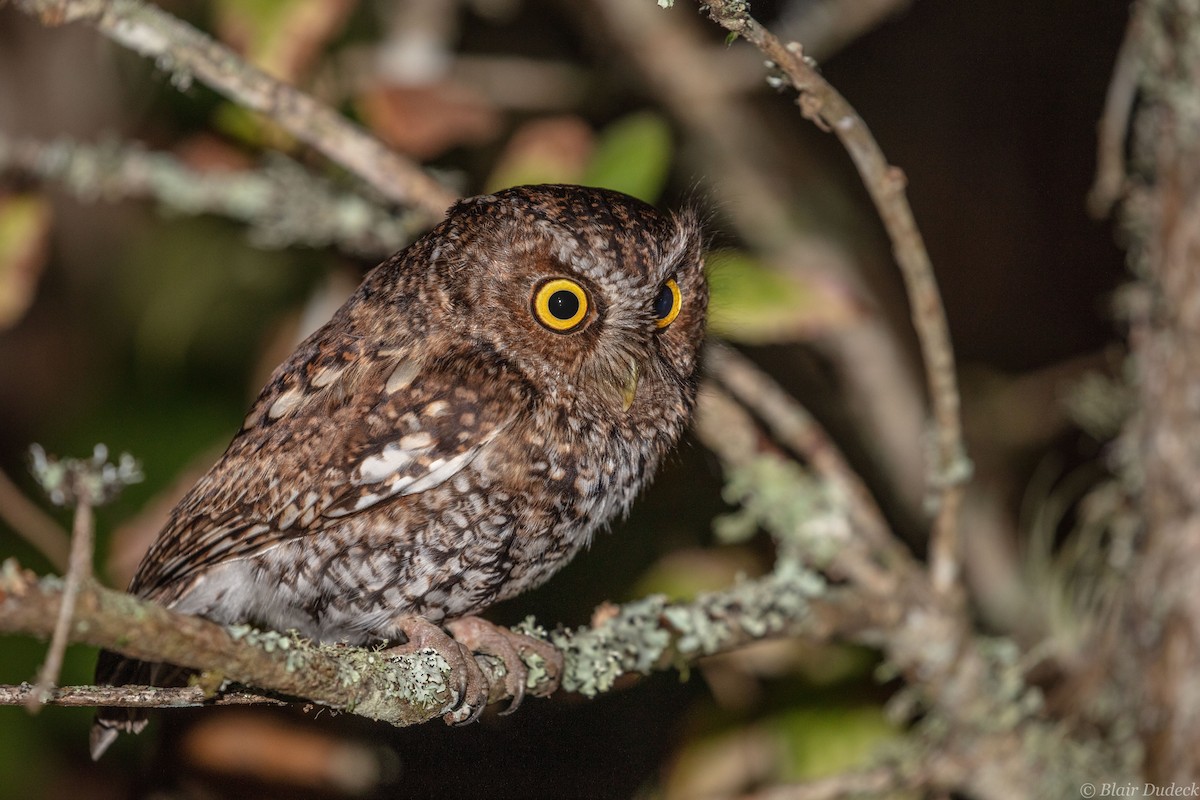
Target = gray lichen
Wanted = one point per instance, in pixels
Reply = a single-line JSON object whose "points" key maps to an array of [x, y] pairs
{"points": [[95, 480], [801, 514]]}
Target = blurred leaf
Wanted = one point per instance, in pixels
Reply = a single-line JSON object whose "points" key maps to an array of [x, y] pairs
{"points": [[426, 120], [825, 741], [633, 155], [684, 574], [548, 150], [281, 37], [24, 229], [754, 304], [251, 128]]}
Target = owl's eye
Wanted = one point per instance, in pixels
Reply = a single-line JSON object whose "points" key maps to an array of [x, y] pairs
{"points": [[667, 303], [561, 305]]}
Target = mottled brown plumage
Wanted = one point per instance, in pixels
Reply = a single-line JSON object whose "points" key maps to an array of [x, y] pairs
{"points": [[441, 445]]}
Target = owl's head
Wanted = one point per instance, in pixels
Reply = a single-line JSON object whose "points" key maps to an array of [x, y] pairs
{"points": [[596, 298]]}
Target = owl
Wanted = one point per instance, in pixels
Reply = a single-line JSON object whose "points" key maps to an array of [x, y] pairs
{"points": [[486, 401]]}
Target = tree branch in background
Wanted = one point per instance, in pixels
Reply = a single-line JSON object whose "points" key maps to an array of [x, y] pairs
{"points": [[33, 525], [978, 713], [821, 103], [1114, 123], [186, 52], [282, 203]]}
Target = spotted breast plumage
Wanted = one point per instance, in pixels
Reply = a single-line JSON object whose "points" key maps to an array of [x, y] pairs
{"points": [[486, 401]]}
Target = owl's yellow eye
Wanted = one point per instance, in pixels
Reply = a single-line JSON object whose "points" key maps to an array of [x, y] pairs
{"points": [[561, 305], [667, 303]]}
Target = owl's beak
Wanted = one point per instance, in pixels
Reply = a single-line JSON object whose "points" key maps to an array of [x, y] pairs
{"points": [[629, 390]]}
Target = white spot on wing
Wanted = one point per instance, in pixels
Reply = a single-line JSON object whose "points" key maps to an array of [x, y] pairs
{"points": [[439, 471], [416, 441], [285, 403], [380, 467], [402, 376], [326, 377]]}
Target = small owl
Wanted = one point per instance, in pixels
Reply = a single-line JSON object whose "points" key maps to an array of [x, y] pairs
{"points": [[486, 401]]}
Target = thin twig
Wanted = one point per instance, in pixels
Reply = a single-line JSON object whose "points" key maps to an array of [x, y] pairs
{"points": [[79, 571], [185, 52], [822, 104], [1114, 122], [32, 524], [130, 697]]}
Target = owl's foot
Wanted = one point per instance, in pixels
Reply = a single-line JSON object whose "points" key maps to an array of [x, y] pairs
{"points": [[511, 648], [470, 683]]}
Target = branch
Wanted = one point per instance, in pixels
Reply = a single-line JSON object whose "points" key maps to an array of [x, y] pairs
{"points": [[977, 711], [82, 534], [1114, 123], [641, 637], [186, 52], [130, 697], [401, 690], [822, 104], [283, 203]]}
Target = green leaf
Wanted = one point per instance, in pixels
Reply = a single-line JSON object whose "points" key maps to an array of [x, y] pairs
{"points": [[24, 228], [826, 741], [633, 155], [754, 304]]}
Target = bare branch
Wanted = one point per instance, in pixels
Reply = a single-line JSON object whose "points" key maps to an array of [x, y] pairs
{"points": [[822, 104], [1114, 123], [186, 52], [80, 570]]}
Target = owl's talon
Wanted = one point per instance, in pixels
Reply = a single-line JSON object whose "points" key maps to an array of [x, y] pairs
{"points": [[471, 686], [482, 636]]}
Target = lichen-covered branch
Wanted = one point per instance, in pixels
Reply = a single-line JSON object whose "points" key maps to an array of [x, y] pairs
{"points": [[188, 53], [401, 690], [282, 203], [978, 713], [1153, 662], [825, 106], [131, 697], [641, 637]]}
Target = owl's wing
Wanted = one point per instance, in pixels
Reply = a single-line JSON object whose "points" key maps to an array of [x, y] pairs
{"points": [[315, 449]]}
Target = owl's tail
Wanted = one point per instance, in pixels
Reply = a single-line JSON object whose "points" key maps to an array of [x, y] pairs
{"points": [[114, 669]]}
